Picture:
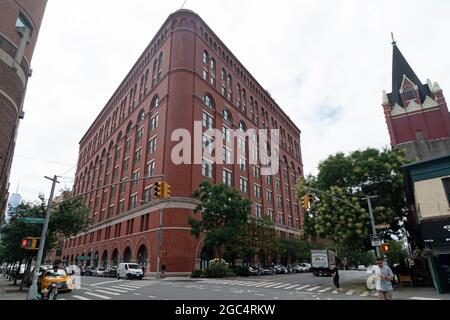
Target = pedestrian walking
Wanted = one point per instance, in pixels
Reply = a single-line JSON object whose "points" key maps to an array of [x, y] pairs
{"points": [[384, 277], [336, 277]]}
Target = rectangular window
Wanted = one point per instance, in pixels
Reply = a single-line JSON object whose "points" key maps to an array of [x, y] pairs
{"points": [[207, 145], [226, 156], [278, 184], [110, 211], [147, 195], [226, 133], [207, 121], [150, 169], [115, 172], [270, 214], [280, 218], [269, 196], [113, 192], [257, 191], [279, 201], [152, 145], [212, 80], [134, 177], [127, 145], [121, 206], [142, 224], [269, 180], [125, 165], [227, 177], [207, 169], [205, 75], [139, 135], [123, 185], [137, 156], [258, 211], [243, 164], [133, 201], [256, 172], [154, 123], [117, 154], [244, 185]]}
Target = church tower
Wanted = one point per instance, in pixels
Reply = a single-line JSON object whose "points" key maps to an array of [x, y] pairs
{"points": [[416, 114]]}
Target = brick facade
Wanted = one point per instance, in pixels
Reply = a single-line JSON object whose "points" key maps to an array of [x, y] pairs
{"points": [[168, 86], [20, 21]]}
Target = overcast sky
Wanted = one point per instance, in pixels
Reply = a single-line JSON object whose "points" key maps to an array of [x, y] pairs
{"points": [[324, 62]]}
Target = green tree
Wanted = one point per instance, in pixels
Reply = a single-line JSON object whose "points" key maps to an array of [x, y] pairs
{"points": [[224, 217], [295, 250], [397, 253], [352, 177]]}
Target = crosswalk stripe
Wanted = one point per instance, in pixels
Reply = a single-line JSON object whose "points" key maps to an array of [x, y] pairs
{"points": [[283, 285], [303, 287], [423, 298], [272, 285], [350, 292], [291, 287], [116, 290], [263, 284], [313, 288], [336, 291], [108, 292], [251, 284], [325, 290], [62, 299], [98, 295], [127, 286], [364, 294], [81, 298], [122, 288]]}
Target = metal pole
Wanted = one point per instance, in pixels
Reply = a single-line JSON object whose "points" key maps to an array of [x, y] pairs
{"points": [[372, 222], [158, 258], [32, 291]]}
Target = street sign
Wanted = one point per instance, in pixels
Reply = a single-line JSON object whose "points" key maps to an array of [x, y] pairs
{"points": [[377, 243], [383, 226], [33, 220], [83, 258], [375, 237]]}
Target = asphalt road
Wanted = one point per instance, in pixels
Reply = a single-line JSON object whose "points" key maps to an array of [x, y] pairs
{"points": [[278, 287]]}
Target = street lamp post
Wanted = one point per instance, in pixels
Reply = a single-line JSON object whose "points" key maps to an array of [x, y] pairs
{"points": [[32, 291]]}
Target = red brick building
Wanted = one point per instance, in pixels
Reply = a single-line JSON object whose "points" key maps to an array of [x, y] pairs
{"points": [[186, 74], [416, 114], [20, 21]]}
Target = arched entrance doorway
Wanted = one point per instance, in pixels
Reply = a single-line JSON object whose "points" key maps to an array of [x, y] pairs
{"points": [[142, 257], [127, 255], [205, 258], [95, 259], [115, 257], [104, 262]]}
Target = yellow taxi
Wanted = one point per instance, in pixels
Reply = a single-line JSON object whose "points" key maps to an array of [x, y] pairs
{"points": [[59, 277]]}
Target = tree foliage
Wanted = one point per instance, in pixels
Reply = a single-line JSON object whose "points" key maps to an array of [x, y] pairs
{"points": [[224, 217], [351, 178]]}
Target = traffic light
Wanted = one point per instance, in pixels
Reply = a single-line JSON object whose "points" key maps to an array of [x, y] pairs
{"points": [[165, 190], [30, 243], [385, 247], [305, 202], [158, 193]]}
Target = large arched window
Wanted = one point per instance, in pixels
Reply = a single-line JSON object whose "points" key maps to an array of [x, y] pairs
{"points": [[129, 127], [155, 102], [227, 115], [208, 101], [119, 136], [141, 116]]}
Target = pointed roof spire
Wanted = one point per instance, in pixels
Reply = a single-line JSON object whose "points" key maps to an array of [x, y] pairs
{"points": [[400, 69]]}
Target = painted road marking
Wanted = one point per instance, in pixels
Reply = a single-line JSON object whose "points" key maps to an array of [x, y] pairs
{"points": [[364, 294], [325, 290], [122, 288], [81, 298], [283, 285], [272, 285], [263, 284], [108, 292], [291, 287], [107, 282], [313, 288], [303, 287], [350, 292], [98, 295], [117, 290], [423, 298]]}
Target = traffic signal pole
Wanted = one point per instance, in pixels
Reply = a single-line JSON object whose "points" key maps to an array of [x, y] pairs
{"points": [[158, 258], [372, 222], [32, 291]]}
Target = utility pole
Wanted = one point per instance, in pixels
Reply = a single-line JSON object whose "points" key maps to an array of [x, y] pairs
{"points": [[32, 291], [372, 222]]}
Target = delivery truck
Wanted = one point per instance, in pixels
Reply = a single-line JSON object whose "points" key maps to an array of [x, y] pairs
{"points": [[322, 262]]}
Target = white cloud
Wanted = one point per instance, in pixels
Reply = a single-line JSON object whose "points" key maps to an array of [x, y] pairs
{"points": [[309, 54]]}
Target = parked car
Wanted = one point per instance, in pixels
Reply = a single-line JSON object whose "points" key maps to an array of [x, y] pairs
{"points": [[98, 272], [130, 271], [88, 271], [266, 271], [253, 271], [351, 268], [362, 268], [111, 272]]}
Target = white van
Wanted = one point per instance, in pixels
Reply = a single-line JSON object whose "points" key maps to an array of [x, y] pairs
{"points": [[130, 271]]}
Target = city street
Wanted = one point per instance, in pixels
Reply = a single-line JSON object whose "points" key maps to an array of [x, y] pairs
{"points": [[278, 287]]}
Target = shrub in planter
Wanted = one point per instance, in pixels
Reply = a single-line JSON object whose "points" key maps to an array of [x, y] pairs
{"points": [[197, 274], [240, 271], [218, 270]]}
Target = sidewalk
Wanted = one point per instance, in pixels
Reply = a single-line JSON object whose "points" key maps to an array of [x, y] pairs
{"points": [[10, 292]]}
